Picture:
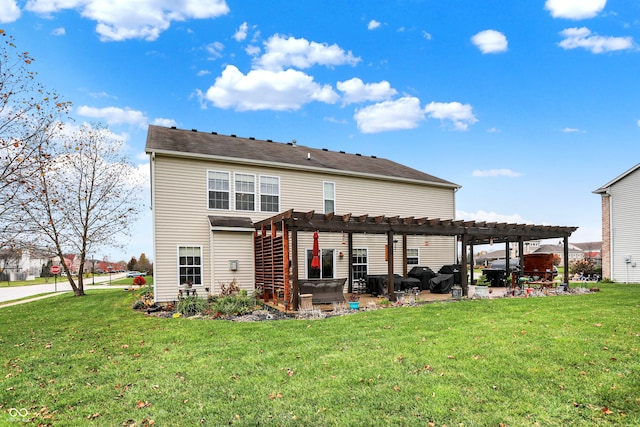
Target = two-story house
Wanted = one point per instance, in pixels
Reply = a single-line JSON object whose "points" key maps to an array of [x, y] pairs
{"points": [[209, 190], [620, 231]]}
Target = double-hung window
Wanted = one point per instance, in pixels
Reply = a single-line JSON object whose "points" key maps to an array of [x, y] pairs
{"points": [[218, 187], [329, 196], [413, 256], [359, 263], [190, 265], [245, 189], [269, 194]]}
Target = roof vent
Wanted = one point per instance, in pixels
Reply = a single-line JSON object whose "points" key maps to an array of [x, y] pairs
{"points": [[342, 152], [269, 140], [289, 143], [325, 149], [252, 138], [293, 142], [214, 133], [233, 135], [358, 154], [194, 130], [374, 157], [173, 127]]}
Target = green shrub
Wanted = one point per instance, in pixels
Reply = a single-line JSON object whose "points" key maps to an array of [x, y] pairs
{"points": [[191, 305], [228, 305]]}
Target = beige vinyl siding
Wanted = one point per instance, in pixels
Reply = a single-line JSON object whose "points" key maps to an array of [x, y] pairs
{"points": [[228, 246], [625, 231], [180, 209]]}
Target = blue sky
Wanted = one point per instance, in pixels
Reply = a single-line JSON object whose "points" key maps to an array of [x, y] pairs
{"points": [[528, 105]]}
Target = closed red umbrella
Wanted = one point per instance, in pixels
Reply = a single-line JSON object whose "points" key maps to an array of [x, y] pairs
{"points": [[315, 261]]}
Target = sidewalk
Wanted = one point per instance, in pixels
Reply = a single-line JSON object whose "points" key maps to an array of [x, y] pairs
{"points": [[51, 289]]}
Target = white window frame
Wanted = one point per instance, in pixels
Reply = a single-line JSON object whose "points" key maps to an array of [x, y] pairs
{"points": [[417, 257], [186, 265], [365, 264], [325, 199], [309, 257], [228, 190], [237, 192], [268, 193]]}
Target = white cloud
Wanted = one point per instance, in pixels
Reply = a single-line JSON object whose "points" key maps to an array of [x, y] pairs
{"points": [[496, 172], [493, 130], [583, 38], [461, 115], [60, 31], [283, 52], [253, 50], [373, 24], [575, 9], [241, 33], [142, 19], [114, 115], [9, 11], [571, 130], [165, 122], [639, 123], [404, 113], [490, 41], [267, 90], [482, 215], [357, 91], [215, 50], [202, 73], [426, 35]]}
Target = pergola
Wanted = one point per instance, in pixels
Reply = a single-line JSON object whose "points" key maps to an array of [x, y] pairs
{"points": [[273, 252]]}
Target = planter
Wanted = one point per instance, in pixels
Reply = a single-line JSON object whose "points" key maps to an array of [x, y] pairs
{"points": [[354, 305], [482, 291]]}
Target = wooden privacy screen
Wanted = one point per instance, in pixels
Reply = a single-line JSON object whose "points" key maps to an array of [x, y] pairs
{"points": [[272, 265]]}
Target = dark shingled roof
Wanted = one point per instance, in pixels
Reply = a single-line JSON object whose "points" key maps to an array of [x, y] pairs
{"points": [[191, 142]]}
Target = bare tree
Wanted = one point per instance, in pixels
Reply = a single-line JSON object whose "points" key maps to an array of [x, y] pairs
{"points": [[84, 196], [29, 117]]}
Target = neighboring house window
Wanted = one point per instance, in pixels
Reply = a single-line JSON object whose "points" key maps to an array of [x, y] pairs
{"points": [[269, 194], [190, 264], [218, 185], [359, 263], [245, 186], [326, 265], [329, 194], [413, 256]]}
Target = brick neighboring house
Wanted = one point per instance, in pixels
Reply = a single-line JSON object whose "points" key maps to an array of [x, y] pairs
{"points": [[620, 232]]}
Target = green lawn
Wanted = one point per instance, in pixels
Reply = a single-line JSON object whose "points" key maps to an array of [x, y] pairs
{"points": [[553, 361]]}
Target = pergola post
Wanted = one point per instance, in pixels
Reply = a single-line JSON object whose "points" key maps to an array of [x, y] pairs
{"points": [[390, 284], [404, 256], [566, 261], [463, 267], [294, 267], [350, 260]]}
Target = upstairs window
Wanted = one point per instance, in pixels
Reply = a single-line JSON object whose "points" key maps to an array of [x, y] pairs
{"points": [[269, 194], [245, 186], [329, 194], [218, 187]]}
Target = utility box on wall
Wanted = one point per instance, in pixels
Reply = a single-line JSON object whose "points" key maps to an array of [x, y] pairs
{"points": [[233, 264]]}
